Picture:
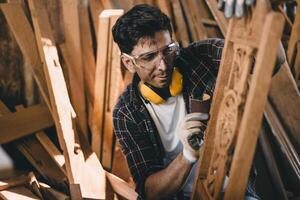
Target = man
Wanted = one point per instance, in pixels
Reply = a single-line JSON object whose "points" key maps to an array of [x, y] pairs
{"points": [[152, 119]]}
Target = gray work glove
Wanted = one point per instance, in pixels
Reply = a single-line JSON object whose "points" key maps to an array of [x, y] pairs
{"points": [[234, 7], [191, 135]]}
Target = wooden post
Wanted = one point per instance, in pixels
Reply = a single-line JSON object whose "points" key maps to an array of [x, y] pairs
{"points": [[180, 25], [218, 15], [89, 63], [75, 71], [102, 80]]}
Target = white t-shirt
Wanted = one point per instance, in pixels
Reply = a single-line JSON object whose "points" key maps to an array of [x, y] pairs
{"points": [[167, 117]]}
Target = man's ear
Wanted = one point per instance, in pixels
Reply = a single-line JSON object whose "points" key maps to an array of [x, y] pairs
{"points": [[128, 63]]}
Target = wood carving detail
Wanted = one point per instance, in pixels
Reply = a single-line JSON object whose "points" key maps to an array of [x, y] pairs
{"points": [[231, 111]]}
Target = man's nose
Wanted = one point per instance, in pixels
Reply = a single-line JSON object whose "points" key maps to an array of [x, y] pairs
{"points": [[162, 65]]}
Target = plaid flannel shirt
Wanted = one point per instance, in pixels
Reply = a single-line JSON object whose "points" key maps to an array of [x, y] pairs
{"points": [[133, 126], [135, 129]]}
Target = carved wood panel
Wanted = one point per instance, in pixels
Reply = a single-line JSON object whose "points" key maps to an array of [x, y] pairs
{"points": [[238, 103]]}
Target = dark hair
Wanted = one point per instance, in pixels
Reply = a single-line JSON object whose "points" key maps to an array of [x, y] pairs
{"points": [[140, 21]]}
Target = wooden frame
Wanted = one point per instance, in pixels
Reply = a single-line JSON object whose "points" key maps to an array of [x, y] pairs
{"points": [[237, 107]]}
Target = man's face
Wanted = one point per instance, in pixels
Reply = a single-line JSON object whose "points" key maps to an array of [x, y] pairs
{"points": [[151, 65]]}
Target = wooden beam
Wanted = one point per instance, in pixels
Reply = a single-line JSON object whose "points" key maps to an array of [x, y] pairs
{"points": [[85, 174], [284, 142], [102, 78], [121, 187], [89, 65], [294, 39], [25, 37], [285, 97], [96, 7], [51, 193], [54, 10], [218, 15], [190, 7], [13, 182], [180, 25], [75, 71], [113, 88], [18, 193], [254, 107], [25, 122]]}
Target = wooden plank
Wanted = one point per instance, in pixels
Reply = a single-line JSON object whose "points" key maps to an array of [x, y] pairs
{"points": [[218, 15], [180, 25], [190, 7], [164, 6], [256, 99], [283, 85], [13, 182], [96, 7], [22, 123], [190, 20], [294, 39], [101, 79], [75, 71], [51, 193], [37, 156], [271, 164], [286, 147], [208, 146], [85, 174], [52, 150], [54, 10], [24, 35], [296, 68], [89, 65], [112, 93], [18, 193], [121, 187], [107, 4]]}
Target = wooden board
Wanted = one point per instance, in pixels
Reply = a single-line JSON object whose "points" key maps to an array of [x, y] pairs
{"points": [[285, 97], [89, 65], [102, 78], [218, 15], [75, 71], [38, 157], [85, 174], [113, 89], [18, 193], [96, 8], [25, 37], [180, 25], [256, 100], [23, 123]]}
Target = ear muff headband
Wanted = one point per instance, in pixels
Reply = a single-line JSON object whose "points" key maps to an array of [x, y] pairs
{"points": [[175, 89]]}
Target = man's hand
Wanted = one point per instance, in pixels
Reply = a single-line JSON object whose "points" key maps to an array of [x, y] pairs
{"points": [[234, 7], [190, 134]]}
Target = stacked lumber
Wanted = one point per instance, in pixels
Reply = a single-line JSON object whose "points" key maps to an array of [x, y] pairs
{"points": [[65, 129]]}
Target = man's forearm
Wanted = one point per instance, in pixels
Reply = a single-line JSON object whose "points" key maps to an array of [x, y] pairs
{"points": [[169, 180]]}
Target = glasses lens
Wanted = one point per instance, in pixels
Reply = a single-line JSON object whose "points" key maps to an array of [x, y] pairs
{"points": [[148, 60]]}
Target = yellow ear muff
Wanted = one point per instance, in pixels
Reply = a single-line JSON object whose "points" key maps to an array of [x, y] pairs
{"points": [[150, 95], [175, 88], [176, 83]]}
